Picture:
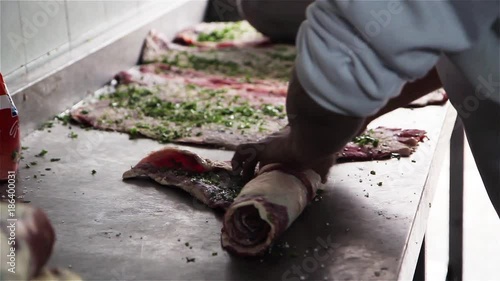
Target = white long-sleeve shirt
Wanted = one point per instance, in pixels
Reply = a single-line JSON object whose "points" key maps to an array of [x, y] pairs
{"points": [[353, 56]]}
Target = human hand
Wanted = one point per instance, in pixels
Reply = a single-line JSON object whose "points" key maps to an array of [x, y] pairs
{"points": [[278, 148]]}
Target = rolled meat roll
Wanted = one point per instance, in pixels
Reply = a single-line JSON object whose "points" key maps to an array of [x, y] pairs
{"points": [[26, 239], [265, 208]]}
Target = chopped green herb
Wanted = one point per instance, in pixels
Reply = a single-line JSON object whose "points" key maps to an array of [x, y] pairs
{"points": [[272, 110], [33, 163], [72, 135], [24, 147], [229, 32], [188, 260], [84, 112], [55, 159], [186, 244], [46, 125], [65, 119], [93, 172], [379, 183], [365, 139], [372, 172], [214, 253], [142, 126], [413, 161], [27, 166], [134, 133], [42, 153]]}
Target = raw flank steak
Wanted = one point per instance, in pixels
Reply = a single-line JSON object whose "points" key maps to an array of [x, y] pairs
{"points": [[211, 182], [256, 213], [186, 113], [382, 143], [160, 73], [272, 62], [221, 35]]}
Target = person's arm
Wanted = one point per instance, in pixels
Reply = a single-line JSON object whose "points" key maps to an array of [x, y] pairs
{"points": [[310, 140], [410, 92], [314, 130], [353, 58]]}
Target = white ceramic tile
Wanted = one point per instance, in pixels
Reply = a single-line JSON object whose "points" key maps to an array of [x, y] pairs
{"points": [[44, 26], [117, 10], [146, 2], [12, 48], [84, 16]]}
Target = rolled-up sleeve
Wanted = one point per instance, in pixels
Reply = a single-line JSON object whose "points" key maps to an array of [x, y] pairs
{"points": [[353, 56]]}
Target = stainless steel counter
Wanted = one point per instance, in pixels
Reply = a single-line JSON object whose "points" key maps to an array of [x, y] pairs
{"points": [[108, 229]]}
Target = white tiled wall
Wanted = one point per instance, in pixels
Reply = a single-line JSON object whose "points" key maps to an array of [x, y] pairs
{"points": [[12, 46], [84, 16], [32, 31]]}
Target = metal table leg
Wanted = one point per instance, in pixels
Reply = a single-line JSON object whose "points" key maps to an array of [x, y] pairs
{"points": [[456, 202], [420, 270]]}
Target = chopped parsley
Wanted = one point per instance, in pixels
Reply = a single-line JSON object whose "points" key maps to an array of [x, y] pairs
{"points": [[64, 118], [46, 125], [228, 31], [55, 159], [93, 172], [373, 172], [184, 59], [42, 153], [365, 139], [72, 135], [217, 35]]}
